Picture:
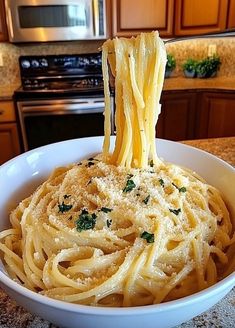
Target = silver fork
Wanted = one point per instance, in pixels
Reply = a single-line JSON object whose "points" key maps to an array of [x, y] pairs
{"points": [[220, 34]]}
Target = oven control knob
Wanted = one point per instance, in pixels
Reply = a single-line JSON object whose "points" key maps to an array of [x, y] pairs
{"points": [[34, 63], [25, 64], [43, 62]]}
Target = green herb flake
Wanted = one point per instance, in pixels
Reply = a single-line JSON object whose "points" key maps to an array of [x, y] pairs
{"points": [[64, 208], [106, 209], [146, 199], [129, 185], [109, 222], [161, 182], [182, 189], [85, 221], [66, 196], [151, 163], [149, 237], [129, 176], [89, 164], [176, 212]]}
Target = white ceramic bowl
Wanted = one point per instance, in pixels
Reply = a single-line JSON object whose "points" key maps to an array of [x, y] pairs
{"points": [[20, 176]]}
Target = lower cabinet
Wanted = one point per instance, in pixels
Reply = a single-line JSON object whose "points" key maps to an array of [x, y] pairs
{"points": [[196, 114], [216, 115], [177, 118], [9, 139]]}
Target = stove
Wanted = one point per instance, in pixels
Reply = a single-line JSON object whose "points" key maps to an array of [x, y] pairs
{"points": [[60, 74], [61, 97]]}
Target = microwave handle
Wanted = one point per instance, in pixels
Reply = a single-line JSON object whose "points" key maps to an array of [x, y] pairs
{"points": [[95, 5], [9, 21]]}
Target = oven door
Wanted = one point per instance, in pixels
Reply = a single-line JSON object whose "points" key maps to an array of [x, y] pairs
{"points": [[53, 20], [46, 121]]}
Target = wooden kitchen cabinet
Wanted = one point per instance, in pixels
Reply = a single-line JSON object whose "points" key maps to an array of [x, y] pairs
{"points": [[200, 16], [130, 17], [9, 139], [216, 115], [3, 26], [177, 118], [231, 14]]}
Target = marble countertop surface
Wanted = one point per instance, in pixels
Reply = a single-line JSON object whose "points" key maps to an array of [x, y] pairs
{"points": [[222, 315]]}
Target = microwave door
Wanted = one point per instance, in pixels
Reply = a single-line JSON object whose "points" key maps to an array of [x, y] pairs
{"points": [[53, 20]]}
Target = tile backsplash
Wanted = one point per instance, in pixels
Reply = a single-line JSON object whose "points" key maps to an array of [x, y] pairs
{"points": [[197, 49]]}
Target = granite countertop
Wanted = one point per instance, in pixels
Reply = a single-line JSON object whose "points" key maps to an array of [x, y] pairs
{"points": [[221, 83], [174, 83], [7, 91], [221, 315]]}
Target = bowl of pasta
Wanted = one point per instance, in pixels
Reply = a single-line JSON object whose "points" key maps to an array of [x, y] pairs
{"points": [[119, 231], [94, 264]]}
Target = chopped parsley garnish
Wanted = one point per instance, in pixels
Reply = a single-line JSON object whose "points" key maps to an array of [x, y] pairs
{"points": [[149, 237], [106, 209], [66, 196], [129, 176], [182, 189], [161, 182], [90, 159], [146, 199], [64, 208], [129, 185], [151, 163], [85, 221], [176, 212], [109, 222], [89, 164]]}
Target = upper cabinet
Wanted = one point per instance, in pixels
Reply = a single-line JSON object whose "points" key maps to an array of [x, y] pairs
{"points": [[171, 17], [130, 17], [231, 14], [200, 16], [3, 26]]}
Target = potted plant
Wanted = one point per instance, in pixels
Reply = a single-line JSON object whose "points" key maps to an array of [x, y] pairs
{"points": [[170, 65], [189, 68], [208, 67]]}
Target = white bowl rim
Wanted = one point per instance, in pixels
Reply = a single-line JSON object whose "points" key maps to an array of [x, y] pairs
{"points": [[226, 283]]}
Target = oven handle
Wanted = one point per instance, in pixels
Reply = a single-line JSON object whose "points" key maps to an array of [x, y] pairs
{"points": [[81, 108]]}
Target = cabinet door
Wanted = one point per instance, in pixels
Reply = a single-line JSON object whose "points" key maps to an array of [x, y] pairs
{"points": [[200, 16], [216, 115], [3, 27], [9, 143], [177, 118], [130, 17], [231, 14]]}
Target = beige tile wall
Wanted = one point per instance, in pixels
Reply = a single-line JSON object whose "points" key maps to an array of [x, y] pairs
{"points": [[9, 73]]}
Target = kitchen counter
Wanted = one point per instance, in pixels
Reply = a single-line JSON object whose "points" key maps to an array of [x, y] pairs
{"points": [[174, 83], [221, 315], [221, 83], [7, 91]]}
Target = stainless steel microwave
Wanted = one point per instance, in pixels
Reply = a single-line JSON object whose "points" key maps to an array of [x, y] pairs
{"points": [[55, 20]]}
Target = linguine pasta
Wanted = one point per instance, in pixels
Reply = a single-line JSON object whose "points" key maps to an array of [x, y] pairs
{"points": [[123, 228]]}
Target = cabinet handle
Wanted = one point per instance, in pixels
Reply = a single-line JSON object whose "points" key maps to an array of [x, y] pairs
{"points": [[1, 111]]}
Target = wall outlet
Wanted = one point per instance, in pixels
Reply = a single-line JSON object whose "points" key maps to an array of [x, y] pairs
{"points": [[1, 60], [212, 49]]}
